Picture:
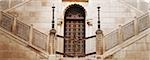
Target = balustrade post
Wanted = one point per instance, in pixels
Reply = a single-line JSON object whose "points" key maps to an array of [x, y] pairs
{"points": [[120, 35], [9, 3], [149, 14], [52, 44], [14, 25], [52, 41], [0, 16], [31, 34], [99, 42], [52, 38], [135, 26]]}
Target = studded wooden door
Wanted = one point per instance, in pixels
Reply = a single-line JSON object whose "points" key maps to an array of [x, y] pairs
{"points": [[74, 32]]}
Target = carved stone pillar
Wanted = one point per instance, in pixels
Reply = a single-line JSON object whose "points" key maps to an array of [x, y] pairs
{"points": [[99, 42], [52, 41], [149, 13], [52, 44]]}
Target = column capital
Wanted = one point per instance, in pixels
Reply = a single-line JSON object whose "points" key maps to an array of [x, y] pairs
{"points": [[99, 31], [52, 31]]}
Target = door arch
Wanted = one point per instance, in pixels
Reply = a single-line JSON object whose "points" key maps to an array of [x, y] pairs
{"points": [[74, 31]]}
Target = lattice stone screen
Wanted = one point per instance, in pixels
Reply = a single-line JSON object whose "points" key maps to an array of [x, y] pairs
{"points": [[111, 39], [143, 23], [22, 30], [6, 22], [128, 30], [39, 39]]}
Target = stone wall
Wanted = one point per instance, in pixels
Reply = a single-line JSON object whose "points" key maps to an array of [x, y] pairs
{"points": [[141, 5]]}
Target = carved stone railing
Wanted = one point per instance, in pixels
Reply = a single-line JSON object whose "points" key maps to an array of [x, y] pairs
{"points": [[111, 39], [22, 30], [126, 31], [7, 22], [39, 39], [34, 38], [143, 22]]}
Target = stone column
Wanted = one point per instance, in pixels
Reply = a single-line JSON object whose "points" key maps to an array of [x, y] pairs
{"points": [[99, 43], [135, 25], [14, 25], [9, 4], [31, 34], [0, 16], [52, 47], [120, 35], [149, 13]]}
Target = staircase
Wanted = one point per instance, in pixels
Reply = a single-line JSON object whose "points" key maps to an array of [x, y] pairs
{"points": [[12, 49], [30, 38], [114, 42], [24, 34], [126, 38]]}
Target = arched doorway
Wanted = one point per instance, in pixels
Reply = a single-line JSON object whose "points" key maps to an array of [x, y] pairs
{"points": [[74, 31]]}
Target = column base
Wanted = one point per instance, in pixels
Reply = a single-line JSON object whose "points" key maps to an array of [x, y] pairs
{"points": [[99, 57], [52, 57]]}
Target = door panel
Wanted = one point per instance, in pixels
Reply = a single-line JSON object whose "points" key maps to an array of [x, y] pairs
{"points": [[74, 33]]}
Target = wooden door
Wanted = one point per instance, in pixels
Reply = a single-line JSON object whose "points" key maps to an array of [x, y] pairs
{"points": [[74, 32]]}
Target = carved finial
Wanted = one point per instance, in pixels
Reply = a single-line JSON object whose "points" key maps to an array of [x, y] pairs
{"points": [[99, 27], [53, 7]]}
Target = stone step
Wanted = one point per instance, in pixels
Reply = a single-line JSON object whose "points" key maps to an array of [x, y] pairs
{"points": [[77, 59]]}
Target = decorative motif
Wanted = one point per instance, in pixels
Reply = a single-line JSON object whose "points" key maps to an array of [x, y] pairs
{"points": [[128, 30], [6, 22], [74, 16], [143, 23], [39, 39], [111, 39], [22, 30]]}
